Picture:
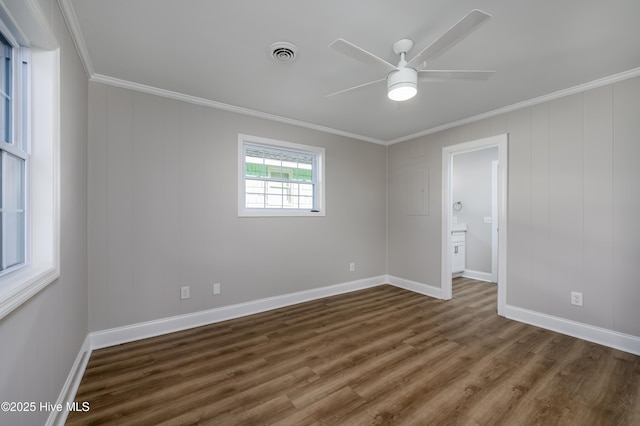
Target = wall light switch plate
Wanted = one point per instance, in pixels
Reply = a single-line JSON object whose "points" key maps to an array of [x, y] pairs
{"points": [[487, 219], [216, 288]]}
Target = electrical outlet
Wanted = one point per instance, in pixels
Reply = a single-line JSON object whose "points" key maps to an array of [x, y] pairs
{"points": [[216, 288], [352, 267], [184, 293], [576, 298]]}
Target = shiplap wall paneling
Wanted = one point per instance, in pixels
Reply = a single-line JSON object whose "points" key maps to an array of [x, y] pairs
{"points": [[519, 200], [148, 208], [539, 204], [626, 206], [97, 229], [169, 254], [197, 162], [566, 194], [598, 208], [120, 199]]}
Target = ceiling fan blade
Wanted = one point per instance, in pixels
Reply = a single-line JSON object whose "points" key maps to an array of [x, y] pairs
{"points": [[355, 87], [358, 53], [463, 28], [440, 75]]}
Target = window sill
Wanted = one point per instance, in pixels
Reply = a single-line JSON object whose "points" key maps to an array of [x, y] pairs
{"points": [[19, 286], [279, 213]]}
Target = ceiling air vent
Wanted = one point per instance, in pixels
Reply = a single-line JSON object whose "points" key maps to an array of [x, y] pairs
{"points": [[283, 51]]}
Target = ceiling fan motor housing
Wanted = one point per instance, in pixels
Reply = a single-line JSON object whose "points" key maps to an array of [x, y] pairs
{"points": [[402, 84]]}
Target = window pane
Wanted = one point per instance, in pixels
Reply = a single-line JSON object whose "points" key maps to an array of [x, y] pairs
{"points": [[274, 202], [304, 168], [254, 163], [306, 202], [12, 214], [254, 201], [5, 90], [254, 186], [24, 98], [274, 195], [12, 239], [12, 182], [279, 178], [306, 189]]}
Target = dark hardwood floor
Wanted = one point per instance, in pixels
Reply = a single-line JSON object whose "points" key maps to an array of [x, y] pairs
{"points": [[373, 357]]}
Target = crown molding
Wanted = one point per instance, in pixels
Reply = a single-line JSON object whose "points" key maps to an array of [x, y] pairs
{"points": [[245, 111], [531, 102], [125, 84], [76, 34], [69, 14]]}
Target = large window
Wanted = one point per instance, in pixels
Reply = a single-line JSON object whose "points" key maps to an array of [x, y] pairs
{"points": [[29, 154], [279, 178], [14, 153]]}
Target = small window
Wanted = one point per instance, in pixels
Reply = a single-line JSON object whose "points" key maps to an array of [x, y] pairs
{"points": [[279, 178]]}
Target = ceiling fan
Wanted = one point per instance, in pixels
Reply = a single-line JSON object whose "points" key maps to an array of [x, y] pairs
{"points": [[402, 79]]}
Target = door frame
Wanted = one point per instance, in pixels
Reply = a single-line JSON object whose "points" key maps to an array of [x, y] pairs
{"points": [[495, 168], [448, 152]]}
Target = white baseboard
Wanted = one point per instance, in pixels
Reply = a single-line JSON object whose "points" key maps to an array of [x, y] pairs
{"points": [[130, 333], [602, 336], [426, 289], [115, 336], [477, 275], [70, 388]]}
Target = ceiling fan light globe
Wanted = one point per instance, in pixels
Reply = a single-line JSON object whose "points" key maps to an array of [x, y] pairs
{"points": [[402, 84], [402, 92]]}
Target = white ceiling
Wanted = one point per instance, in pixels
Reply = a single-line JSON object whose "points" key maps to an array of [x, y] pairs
{"points": [[217, 52]]}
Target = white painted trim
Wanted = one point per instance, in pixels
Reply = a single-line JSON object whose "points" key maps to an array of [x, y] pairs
{"points": [[28, 23], [43, 266], [70, 17], [115, 336], [495, 173], [70, 388], [602, 336], [98, 78], [41, 34], [133, 332], [318, 171], [416, 287], [528, 103], [21, 285], [76, 34], [477, 275], [500, 141]]}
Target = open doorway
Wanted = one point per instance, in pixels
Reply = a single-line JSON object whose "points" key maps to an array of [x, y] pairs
{"points": [[473, 211], [497, 218]]}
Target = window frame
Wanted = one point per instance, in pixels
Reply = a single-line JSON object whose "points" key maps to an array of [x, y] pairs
{"points": [[22, 21], [318, 153], [19, 144]]}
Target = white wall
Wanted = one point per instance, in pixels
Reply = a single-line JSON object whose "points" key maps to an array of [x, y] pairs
{"points": [[573, 203], [471, 185], [163, 212], [41, 338]]}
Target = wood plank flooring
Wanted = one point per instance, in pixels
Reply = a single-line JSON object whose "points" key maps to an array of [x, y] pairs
{"points": [[380, 356]]}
